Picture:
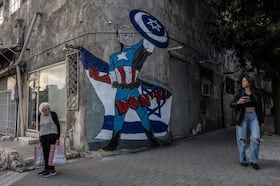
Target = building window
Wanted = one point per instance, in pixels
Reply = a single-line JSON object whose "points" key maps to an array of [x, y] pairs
{"points": [[206, 80], [13, 6], [1, 13], [205, 89], [47, 85]]}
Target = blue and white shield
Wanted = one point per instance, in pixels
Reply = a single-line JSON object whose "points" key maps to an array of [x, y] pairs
{"points": [[150, 28]]}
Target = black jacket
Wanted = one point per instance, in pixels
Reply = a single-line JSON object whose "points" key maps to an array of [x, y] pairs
{"points": [[56, 121], [240, 109]]}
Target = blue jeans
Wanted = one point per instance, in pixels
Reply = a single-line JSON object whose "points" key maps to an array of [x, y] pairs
{"points": [[250, 121]]}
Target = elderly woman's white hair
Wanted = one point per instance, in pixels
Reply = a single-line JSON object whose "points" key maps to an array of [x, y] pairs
{"points": [[44, 105]]}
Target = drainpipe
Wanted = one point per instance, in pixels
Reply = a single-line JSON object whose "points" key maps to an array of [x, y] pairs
{"points": [[19, 78]]}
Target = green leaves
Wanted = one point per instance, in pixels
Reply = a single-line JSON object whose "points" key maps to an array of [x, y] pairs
{"points": [[250, 27]]}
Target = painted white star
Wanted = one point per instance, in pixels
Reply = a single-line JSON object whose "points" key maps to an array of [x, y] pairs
{"points": [[154, 24], [122, 56]]}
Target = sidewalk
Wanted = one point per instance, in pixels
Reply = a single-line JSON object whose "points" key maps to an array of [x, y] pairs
{"points": [[18, 155], [206, 159]]}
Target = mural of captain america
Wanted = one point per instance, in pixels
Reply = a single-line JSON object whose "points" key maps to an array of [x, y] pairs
{"points": [[124, 68]]}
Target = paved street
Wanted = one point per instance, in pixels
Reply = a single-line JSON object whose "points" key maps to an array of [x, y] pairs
{"points": [[9, 177], [208, 159]]}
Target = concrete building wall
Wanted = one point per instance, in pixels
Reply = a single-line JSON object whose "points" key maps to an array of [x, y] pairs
{"points": [[93, 24]]}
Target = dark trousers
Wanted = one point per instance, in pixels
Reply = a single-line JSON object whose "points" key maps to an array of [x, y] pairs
{"points": [[46, 142]]}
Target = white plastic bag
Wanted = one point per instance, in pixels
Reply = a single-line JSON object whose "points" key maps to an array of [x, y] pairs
{"points": [[38, 156], [57, 155]]}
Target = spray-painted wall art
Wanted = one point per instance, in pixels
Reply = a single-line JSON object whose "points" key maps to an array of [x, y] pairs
{"points": [[134, 111]]}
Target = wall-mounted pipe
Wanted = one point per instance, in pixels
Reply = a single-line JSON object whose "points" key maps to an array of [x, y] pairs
{"points": [[20, 125]]}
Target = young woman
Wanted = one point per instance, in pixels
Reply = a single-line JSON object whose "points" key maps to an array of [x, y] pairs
{"points": [[49, 134], [249, 114]]}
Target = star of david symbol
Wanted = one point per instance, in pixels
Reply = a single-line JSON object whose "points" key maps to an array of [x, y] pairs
{"points": [[122, 56], [154, 24], [157, 109]]}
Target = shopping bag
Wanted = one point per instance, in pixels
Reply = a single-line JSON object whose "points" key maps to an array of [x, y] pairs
{"points": [[38, 156], [57, 155]]}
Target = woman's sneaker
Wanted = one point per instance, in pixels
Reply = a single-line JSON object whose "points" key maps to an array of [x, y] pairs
{"points": [[52, 172], [49, 173], [255, 166], [244, 164], [43, 171]]}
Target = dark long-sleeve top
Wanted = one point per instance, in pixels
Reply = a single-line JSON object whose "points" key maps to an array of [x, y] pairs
{"points": [[240, 108]]}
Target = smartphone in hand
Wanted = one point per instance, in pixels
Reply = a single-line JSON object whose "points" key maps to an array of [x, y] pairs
{"points": [[246, 97]]}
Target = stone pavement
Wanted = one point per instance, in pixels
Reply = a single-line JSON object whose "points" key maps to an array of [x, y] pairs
{"points": [[206, 159]]}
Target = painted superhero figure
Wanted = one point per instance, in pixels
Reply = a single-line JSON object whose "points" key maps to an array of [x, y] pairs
{"points": [[125, 66]]}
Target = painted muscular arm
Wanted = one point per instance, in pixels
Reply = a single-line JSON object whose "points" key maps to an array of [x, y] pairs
{"points": [[142, 50], [94, 73]]}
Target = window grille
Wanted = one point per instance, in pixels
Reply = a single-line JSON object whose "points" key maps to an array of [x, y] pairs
{"points": [[72, 81]]}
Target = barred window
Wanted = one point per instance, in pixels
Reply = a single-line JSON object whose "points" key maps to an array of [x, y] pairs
{"points": [[72, 81]]}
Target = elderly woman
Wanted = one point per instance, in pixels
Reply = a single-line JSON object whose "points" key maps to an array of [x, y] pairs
{"points": [[49, 134]]}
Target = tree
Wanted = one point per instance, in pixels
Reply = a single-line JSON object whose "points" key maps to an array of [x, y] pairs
{"points": [[252, 29]]}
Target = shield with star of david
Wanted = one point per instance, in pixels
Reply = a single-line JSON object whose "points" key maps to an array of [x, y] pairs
{"points": [[150, 28]]}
